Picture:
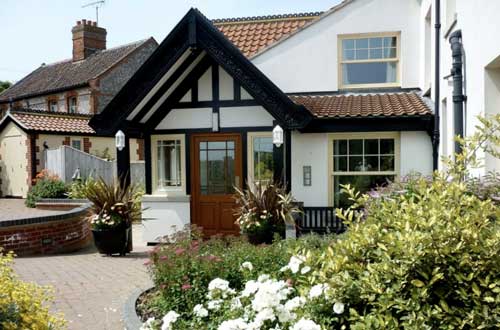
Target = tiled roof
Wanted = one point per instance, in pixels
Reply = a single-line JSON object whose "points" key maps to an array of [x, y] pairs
{"points": [[51, 122], [68, 74], [364, 105], [252, 34]]}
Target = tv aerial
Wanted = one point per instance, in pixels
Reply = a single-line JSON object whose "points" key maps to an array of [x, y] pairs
{"points": [[97, 5]]}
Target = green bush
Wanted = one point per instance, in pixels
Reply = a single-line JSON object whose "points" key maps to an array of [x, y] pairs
{"points": [[45, 186], [78, 188], [182, 271]]}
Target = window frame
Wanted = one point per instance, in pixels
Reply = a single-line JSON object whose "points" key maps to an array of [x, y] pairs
{"points": [[250, 155], [52, 99], [76, 141], [355, 136], [341, 62], [168, 191], [68, 103]]}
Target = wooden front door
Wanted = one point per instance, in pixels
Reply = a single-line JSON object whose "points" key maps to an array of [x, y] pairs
{"points": [[215, 169]]}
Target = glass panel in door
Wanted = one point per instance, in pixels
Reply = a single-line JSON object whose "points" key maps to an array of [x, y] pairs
{"points": [[217, 163]]}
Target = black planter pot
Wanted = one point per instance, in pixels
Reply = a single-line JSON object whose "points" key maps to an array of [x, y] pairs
{"points": [[264, 234], [113, 241]]}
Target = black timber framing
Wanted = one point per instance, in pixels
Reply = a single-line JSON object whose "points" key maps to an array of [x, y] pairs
{"points": [[371, 124], [123, 164], [206, 37], [170, 81], [179, 92], [220, 104], [187, 150], [148, 164], [288, 159], [215, 95]]}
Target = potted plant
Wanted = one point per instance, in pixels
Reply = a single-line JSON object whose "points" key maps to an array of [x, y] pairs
{"points": [[114, 209], [264, 210]]}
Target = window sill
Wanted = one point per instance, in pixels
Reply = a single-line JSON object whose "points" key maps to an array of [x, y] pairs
{"points": [[166, 199]]}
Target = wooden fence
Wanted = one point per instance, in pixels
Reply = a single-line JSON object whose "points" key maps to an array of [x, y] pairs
{"points": [[69, 164]]}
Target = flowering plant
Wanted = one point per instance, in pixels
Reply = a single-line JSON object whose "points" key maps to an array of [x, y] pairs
{"points": [[265, 209], [113, 204]]}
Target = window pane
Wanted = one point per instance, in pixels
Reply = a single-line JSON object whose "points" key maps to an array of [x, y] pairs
{"points": [[169, 163], [356, 164], [263, 158], [349, 55], [355, 147], [76, 145], [390, 42], [376, 53], [375, 42], [340, 147], [389, 52], [362, 54], [361, 43], [387, 146], [371, 163], [348, 44], [369, 73], [340, 163], [362, 183], [371, 147], [387, 163], [217, 172]]}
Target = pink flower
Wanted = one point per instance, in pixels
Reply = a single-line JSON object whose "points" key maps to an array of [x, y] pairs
{"points": [[163, 258], [214, 258], [180, 251], [289, 282], [186, 286], [148, 262]]}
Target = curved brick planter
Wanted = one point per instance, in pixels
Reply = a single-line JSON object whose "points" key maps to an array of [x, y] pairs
{"points": [[130, 318], [61, 233]]}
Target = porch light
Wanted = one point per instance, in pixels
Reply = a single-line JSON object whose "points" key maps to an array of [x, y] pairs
{"points": [[278, 136], [120, 140]]}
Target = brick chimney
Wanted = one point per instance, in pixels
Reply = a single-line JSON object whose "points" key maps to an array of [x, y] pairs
{"points": [[87, 39]]}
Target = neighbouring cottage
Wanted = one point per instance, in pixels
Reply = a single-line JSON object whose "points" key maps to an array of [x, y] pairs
{"points": [[52, 105]]}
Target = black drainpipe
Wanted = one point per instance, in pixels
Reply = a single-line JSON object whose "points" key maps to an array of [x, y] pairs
{"points": [[458, 94], [437, 101]]}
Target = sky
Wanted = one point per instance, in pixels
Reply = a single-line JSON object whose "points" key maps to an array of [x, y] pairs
{"points": [[33, 32]]}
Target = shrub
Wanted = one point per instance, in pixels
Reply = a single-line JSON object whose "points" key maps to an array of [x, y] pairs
{"points": [[22, 304], [265, 209], [46, 185], [78, 188], [112, 204]]}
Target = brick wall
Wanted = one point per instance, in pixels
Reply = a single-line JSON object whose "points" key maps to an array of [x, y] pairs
{"points": [[87, 145], [66, 235], [140, 149]]}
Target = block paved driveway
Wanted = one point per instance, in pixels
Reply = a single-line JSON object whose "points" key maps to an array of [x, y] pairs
{"points": [[90, 289]]}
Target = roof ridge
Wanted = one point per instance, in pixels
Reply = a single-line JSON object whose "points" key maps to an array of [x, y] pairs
{"points": [[138, 42], [266, 17], [48, 113]]}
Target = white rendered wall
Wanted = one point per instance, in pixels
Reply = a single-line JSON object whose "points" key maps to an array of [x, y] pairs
{"points": [[187, 118], [479, 23], [415, 153], [245, 117], [307, 61], [164, 216], [310, 150]]}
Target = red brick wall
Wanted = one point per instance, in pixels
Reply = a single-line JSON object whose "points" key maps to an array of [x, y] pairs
{"points": [[47, 238], [87, 145], [140, 149]]}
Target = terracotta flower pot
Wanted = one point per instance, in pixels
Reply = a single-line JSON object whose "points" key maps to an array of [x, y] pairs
{"points": [[113, 241]]}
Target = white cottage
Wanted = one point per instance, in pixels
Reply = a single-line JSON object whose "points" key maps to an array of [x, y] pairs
{"points": [[345, 85]]}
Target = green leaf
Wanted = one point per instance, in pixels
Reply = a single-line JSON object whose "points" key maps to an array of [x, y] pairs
{"points": [[418, 283]]}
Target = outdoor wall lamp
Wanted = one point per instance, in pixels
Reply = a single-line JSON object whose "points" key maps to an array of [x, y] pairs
{"points": [[278, 136], [120, 140]]}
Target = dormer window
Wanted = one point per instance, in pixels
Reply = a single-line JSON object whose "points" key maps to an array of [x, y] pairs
{"points": [[72, 104], [369, 60], [53, 107]]}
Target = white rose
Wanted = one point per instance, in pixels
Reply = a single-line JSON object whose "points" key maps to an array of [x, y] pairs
{"points": [[338, 308], [200, 311], [168, 320], [317, 290], [305, 324], [247, 265], [305, 270]]}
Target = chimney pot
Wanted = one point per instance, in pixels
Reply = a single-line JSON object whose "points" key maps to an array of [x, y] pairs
{"points": [[88, 38]]}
